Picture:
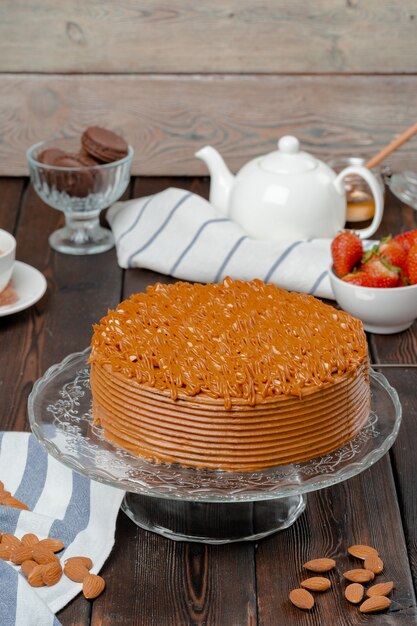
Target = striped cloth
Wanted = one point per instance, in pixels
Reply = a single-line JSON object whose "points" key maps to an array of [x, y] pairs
{"points": [[180, 234], [63, 505]]}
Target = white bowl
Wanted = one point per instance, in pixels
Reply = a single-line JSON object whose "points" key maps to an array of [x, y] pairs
{"points": [[7, 257], [382, 311]]}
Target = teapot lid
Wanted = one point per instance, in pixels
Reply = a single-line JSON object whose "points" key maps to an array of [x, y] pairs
{"points": [[288, 159]]}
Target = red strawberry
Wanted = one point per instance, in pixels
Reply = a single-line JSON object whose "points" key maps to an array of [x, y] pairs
{"points": [[407, 239], [393, 252], [411, 265], [360, 278], [381, 273], [346, 252]]}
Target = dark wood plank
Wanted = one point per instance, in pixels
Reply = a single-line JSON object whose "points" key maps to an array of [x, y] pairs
{"points": [[165, 582], [10, 199], [205, 36], [404, 456], [168, 118], [23, 332], [11, 190]]}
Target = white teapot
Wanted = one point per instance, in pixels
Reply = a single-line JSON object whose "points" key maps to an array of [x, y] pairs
{"points": [[287, 194]]}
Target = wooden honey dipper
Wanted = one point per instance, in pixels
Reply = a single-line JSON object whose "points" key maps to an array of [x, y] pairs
{"points": [[391, 147]]}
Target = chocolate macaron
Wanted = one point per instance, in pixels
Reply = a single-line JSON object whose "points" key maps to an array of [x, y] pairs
{"points": [[75, 182], [50, 155], [103, 144], [87, 159]]}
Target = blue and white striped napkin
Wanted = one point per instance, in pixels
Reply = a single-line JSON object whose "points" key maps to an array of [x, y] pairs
{"points": [[181, 234], [64, 505]]}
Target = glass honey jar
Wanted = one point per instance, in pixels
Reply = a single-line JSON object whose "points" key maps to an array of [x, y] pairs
{"points": [[360, 205]]}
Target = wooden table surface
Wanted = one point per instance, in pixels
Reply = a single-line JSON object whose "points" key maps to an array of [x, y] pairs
{"points": [[152, 581]]}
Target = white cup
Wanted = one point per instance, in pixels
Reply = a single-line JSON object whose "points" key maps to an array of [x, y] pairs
{"points": [[7, 257]]}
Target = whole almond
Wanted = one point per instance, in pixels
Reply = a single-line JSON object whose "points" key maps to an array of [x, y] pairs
{"points": [[5, 552], [375, 604], [10, 540], [42, 555], [354, 593], [359, 575], [361, 551], [302, 599], [75, 570], [27, 567], [94, 585], [374, 564], [29, 539], [21, 553], [84, 560], [316, 583], [51, 573], [55, 545], [14, 503], [320, 565], [35, 578], [381, 589]]}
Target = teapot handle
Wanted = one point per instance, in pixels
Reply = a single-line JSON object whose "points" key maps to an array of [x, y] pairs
{"points": [[375, 188]]}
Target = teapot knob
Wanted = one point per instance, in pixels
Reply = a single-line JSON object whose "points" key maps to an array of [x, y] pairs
{"points": [[288, 144]]}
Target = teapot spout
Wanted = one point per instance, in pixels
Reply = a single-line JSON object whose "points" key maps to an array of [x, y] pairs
{"points": [[222, 179]]}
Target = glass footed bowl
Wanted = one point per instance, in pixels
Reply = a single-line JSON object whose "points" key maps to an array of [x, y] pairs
{"points": [[360, 204], [81, 193], [60, 417]]}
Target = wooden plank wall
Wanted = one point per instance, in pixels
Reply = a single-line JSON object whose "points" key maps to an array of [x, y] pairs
{"points": [[236, 74]]}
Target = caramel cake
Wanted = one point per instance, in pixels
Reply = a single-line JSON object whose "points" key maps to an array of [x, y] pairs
{"points": [[235, 376]]}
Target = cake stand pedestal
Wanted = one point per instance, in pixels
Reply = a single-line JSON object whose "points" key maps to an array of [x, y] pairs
{"points": [[187, 504], [213, 522]]}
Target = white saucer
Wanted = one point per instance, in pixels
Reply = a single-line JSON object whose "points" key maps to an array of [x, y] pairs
{"points": [[29, 285]]}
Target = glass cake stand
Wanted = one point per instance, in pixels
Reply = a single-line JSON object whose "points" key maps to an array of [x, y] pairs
{"points": [[189, 504]]}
